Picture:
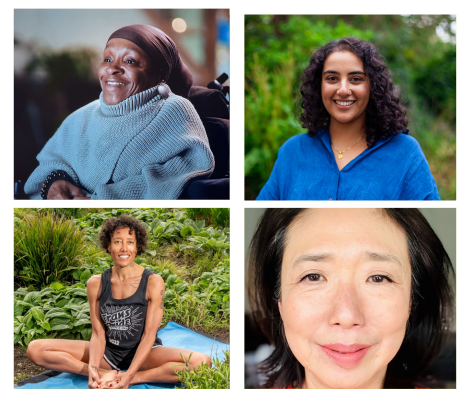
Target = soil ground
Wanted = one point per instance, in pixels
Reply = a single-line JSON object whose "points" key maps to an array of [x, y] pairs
{"points": [[23, 367]]}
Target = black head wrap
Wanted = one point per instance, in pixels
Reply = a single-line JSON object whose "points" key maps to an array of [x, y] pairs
{"points": [[163, 53]]}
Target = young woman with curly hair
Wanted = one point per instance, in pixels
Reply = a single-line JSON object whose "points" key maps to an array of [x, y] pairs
{"points": [[357, 146], [126, 309]]}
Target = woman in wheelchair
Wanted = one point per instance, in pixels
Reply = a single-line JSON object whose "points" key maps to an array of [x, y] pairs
{"points": [[142, 139]]}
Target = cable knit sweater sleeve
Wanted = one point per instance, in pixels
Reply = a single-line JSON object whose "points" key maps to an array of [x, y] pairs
{"points": [[146, 147]]}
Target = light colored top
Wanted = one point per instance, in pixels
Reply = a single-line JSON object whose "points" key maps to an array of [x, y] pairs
{"points": [[146, 147]]}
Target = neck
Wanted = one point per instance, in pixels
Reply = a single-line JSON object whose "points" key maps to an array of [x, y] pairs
{"points": [[125, 272], [346, 134], [375, 382]]}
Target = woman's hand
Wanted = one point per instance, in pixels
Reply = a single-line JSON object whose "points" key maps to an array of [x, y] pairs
{"points": [[121, 381], [65, 190], [94, 379]]}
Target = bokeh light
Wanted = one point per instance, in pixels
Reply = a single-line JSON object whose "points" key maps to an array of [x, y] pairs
{"points": [[179, 25]]}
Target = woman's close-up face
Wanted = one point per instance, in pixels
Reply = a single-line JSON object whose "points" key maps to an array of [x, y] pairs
{"points": [[345, 295], [345, 87], [123, 247], [125, 71]]}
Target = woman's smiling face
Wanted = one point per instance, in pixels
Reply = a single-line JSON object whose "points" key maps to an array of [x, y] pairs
{"points": [[125, 71], [123, 247], [345, 295], [345, 87]]}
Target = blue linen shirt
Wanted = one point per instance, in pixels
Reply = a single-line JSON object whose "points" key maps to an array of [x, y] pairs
{"points": [[392, 169]]}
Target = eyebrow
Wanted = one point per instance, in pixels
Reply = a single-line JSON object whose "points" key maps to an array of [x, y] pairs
{"points": [[312, 258], [371, 255], [349, 73], [382, 257]]}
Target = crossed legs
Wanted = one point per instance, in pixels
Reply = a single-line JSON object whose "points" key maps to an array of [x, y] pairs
{"points": [[73, 356]]}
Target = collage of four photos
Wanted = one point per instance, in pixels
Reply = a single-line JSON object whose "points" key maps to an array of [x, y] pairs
{"points": [[131, 109]]}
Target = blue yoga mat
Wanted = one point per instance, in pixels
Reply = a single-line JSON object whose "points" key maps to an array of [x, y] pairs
{"points": [[173, 335]]}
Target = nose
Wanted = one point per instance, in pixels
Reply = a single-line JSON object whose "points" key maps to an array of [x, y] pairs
{"points": [[344, 90], [124, 246], [347, 307], [113, 68]]}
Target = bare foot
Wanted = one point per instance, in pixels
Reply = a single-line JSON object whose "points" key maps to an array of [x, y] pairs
{"points": [[107, 376]]}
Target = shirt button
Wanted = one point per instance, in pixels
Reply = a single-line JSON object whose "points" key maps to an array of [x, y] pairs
{"points": [[337, 173], [331, 199]]}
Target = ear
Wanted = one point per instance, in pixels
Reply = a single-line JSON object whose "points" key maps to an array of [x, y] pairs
{"points": [[279, 306]]}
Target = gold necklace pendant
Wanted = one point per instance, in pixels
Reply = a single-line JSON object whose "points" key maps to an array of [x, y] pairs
{"points": [[340, 156]]}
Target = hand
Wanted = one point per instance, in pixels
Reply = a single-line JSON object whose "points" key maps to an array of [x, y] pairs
{"points": [[94, 379], [65, 190], [121, 381]]}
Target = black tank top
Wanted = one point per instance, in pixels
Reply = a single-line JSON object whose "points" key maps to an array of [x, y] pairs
{"points": [[124, 319]]}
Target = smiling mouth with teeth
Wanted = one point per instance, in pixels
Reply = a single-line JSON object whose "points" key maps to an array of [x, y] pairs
{"points": [[344, 103], [115, 83]]}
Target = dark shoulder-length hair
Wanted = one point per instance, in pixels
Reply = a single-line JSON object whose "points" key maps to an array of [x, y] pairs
{"points": [[385, 114], [123, 221], [431, 295]]}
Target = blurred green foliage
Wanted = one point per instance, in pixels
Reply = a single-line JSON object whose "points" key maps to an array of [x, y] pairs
{"points": [[423, 66]]}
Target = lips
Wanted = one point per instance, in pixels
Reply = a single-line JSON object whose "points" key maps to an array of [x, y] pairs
{"points": [[344, 103], [124, 256], [112, 83], [345, 355]]}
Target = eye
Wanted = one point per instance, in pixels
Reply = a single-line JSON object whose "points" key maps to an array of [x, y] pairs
{"points": [[379, 279], [107, 60], [331, 78], [313, 278], [130, 61], [356, 79]]}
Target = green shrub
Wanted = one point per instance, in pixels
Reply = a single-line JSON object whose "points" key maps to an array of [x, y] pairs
{"points": [[212, 216], [57, 311], [205, 377], [47, 249]]}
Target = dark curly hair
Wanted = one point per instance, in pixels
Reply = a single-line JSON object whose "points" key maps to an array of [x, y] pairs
{"points": [[385, 115], [124, 221]]}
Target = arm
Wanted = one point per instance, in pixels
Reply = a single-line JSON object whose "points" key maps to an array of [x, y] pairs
{"points": [[98, 338], [155, 295]]}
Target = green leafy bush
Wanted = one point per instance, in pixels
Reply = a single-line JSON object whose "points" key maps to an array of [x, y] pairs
{"points": [[54, 312], [205, 377], [47, 249]]}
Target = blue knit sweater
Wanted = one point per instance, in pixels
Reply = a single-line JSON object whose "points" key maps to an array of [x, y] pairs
{"points": [[145, 147]]}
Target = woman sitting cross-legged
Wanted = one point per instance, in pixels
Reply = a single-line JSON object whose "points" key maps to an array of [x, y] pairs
{"points": [[126, 309]]}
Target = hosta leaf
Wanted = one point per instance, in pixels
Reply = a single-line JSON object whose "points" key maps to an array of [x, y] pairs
{"points": [[76, 274], [18, 309], [82, 322], [186, 231], [58, 314], [86, 333], [85, 275], [45, 325], [56, 286], [60, 327], [33, 298], [61, 322], [37, 314]]}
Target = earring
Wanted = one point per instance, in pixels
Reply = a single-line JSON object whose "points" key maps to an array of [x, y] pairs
{"points": [[163, 89]]}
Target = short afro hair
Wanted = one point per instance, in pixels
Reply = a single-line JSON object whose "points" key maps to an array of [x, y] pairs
{"points": [[124, 221]]}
